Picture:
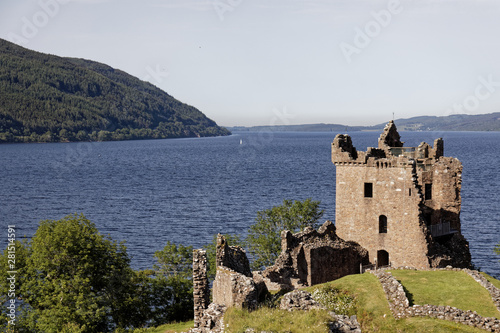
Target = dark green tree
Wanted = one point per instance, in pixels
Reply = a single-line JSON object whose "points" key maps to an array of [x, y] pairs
{"points": [[175, 271], [74, 279], [264, 241]]}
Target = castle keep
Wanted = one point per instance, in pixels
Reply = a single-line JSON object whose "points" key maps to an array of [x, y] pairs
{"points": [[400, 203]]}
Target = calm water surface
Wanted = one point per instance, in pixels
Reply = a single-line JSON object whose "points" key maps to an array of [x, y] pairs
{"points": [[187, 190]]}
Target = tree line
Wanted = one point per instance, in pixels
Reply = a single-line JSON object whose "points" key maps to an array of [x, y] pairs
{"points": [[70, 278]]}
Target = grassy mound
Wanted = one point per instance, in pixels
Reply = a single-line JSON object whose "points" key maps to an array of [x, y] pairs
{"points": [[374, 314], [446, 288], [275, 320], [168, 328], [371, 306]]}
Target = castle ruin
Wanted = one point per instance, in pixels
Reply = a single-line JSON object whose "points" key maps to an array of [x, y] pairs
{"points": [[395, 205], [400, 203]]}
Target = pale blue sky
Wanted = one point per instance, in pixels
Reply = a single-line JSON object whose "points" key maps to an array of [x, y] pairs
{"points": [[256, 62]]}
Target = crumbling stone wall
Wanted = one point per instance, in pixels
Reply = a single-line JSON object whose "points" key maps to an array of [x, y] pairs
{"points": [[201, 289], [234, 284], [233, 289], [311, 257], [232, 257], [400, 203]]}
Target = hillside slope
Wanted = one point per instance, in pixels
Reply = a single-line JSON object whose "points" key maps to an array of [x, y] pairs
{"points": [[50, 98], [456, 122], [371, 306]]}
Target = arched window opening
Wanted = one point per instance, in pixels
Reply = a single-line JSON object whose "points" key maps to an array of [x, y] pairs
{"points": [[382, 224]]}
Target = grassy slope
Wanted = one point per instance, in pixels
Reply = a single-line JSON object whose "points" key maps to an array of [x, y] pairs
{"points": [[265, 319], [438, 288], [169, 328], [374, 313], [447, 288], [373, 310]]}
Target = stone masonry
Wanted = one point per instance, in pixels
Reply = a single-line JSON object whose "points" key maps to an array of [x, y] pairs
{"points": [[233, 286], [201, 289], [311, 257], [400, 203]]}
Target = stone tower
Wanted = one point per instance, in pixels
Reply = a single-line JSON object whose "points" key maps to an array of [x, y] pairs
{"points": [[400, 203]]}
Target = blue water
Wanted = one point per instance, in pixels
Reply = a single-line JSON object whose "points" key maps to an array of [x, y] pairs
{"points": [[186, 190]]}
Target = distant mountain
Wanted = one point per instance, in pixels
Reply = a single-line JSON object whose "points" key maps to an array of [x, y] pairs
{"points": [[45, 98], [455, 122], [299, 128], [458, 122]]}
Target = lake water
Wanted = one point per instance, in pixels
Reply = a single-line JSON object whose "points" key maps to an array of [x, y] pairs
{"points": [[187, 190]]}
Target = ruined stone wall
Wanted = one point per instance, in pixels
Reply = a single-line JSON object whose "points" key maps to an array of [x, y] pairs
{"points": [[201, 288], [234, 284], [446, 179], [233, 257], [311, 257], [233, 289], [395, 196]]}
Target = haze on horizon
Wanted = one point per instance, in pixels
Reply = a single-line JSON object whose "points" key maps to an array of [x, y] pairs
{"points": [[244, 63]]}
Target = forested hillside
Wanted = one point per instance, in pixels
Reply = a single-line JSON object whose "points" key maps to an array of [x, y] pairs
{"points": [[45, 98]]}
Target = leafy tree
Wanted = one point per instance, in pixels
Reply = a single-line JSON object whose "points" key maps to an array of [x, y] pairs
{"points": [[232, 239], [497, 249], [264, 236], [175, 270], [73, 279]]}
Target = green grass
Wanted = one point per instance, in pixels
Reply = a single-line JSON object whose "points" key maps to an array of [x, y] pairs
{"points": [[446, 288], [374, 314], [169, 328], [372, 308], [275, 320]]}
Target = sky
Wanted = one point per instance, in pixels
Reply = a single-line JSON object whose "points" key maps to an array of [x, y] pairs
{"points": [[281, 62]]}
